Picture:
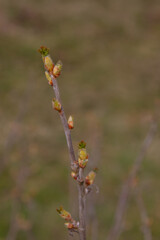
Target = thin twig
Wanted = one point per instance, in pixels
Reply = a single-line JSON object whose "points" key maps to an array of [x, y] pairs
{"points": [[81, 188], [82, 218], [123, 200], [144, 216], [64, 123]]}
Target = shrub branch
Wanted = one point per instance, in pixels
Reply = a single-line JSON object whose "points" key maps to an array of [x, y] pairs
{"points": [[77, 166]]}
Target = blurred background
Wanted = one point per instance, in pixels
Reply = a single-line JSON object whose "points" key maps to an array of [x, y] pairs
{"points": [[110, 84]]}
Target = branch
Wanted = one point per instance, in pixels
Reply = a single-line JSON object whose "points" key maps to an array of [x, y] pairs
{"points": [[65, 124], [52, 72], [81, 188], [82, 219], [123, 200]]}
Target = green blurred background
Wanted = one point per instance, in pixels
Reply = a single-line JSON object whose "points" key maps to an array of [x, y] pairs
{"points": [[110, 83]]}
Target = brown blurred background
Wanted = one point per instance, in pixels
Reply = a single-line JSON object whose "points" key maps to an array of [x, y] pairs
{"points": [[110, 84]]}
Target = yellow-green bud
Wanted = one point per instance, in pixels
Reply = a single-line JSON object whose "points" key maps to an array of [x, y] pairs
{"points": [[82, 162], [70, 225], [64, 214], [82, 144], [57, 69], [56, 105], [82, 153], [49, 78], [44, 51], [74, 175], [70, 122], [48, 63], [90, 178]]}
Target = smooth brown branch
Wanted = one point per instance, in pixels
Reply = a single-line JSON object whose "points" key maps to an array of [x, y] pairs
{"points": [[82, 218], [53, 71], [81, 188], [123, 199], [144, 216], [65, 125]]}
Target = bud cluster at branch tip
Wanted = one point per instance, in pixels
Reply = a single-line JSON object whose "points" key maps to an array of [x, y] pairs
{"points": [[54, 70], [70, 122], [82, 155], [47, 60], [56, 105]]}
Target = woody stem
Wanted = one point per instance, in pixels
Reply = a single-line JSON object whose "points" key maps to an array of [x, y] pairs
{"points": [[81, 187]]}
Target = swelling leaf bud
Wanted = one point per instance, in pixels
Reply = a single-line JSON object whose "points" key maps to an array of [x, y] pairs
{"points": [[74, 175], [56, 105], [82, 153], [57, 69], [49, 78], [82, 144], [82, 162], [44, 51], [90, 178], [48, 63], [70, 122], [64, 214], [70, 225]]}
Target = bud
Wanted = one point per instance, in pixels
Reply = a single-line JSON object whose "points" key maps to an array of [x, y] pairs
{"points": [[82, 162], [74, 175], [82, 153], [48, 63], [57, 69], [70, 122], [44, 51], [82, 144], [56, 105], [49, 78], [70, 225], [64, 214], [90, 178]]}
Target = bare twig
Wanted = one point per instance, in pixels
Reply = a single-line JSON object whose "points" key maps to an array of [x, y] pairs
{"points": [[64, 123], [82, 219], [144, 216], [81, 188], [123, 200]]}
